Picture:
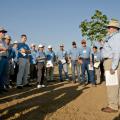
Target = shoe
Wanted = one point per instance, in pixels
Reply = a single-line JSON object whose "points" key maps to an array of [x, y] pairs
{"points": [[82, 83], [19, 87], [27, 85], [4, 90], [66, 79], [39, 86], [74, 81], [1, 92], [43, 86], [109, 110]]}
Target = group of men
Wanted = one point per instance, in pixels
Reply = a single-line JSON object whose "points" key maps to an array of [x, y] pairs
{"points": [[34, 62]]}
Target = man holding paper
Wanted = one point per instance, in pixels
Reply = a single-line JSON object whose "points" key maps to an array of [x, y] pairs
{"points": [[62, 64], [50, 63], [111, 55]]}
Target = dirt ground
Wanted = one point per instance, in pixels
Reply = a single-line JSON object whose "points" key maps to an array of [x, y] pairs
{"points": [[58, 101]]}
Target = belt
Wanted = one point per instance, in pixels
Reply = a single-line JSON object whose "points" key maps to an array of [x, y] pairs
{"points": [[107, 58], [4, 57], [85, 58]]}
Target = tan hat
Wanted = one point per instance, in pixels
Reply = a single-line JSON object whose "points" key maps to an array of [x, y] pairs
{"points": [[114, 23], [7, 37], [3, 30]]}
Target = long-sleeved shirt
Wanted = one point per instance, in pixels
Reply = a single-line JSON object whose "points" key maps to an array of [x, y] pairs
{"points": [[112, 50]]}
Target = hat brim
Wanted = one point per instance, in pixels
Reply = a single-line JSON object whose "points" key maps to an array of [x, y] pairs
{"points": [[113, 26], [4, 31]]}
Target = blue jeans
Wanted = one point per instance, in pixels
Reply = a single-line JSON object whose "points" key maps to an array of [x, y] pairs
{"points": [[84, 67], [3, 71], [92, 76], [75, 67], [64, 68]]}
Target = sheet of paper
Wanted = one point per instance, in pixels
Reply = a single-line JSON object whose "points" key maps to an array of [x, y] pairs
{"points": [[63, 61], [96, 64], [111, 80], [90, 67], [49, 64]]}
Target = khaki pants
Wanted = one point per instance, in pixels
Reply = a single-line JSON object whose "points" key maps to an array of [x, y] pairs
{"points": [[97, 75], [113, 92]]}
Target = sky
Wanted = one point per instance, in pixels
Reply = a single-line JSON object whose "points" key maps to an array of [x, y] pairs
{"points": [[52, 22]]}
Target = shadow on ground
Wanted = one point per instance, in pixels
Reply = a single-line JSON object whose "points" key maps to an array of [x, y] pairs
{"points": [[40, 105]]}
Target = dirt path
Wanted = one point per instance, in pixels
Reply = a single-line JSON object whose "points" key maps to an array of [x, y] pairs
{"points": [[58, 101]]}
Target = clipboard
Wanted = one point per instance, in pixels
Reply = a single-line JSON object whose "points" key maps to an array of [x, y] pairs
{"points": [[111, 80]]}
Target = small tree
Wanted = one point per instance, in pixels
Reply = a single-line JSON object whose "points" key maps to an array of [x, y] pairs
{"points": [[95, 29]]}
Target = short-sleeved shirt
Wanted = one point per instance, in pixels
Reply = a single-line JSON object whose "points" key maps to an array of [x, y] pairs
{"points": [[42, 55], [4, 45], [61, 54], [74, 53], [21, 46], [50, 55], [85, 52]]}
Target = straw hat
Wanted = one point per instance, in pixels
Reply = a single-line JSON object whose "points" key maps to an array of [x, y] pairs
{"points": [[114, 23]]}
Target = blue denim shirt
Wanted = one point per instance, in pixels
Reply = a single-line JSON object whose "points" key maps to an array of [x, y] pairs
{"points": [[74, 53], [85, 52]]}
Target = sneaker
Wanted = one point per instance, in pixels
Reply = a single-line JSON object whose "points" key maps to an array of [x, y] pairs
{"points": [[39, 86], [43, 85]]}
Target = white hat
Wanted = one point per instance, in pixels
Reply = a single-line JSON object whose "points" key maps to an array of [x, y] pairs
{"points": [[40, 45], [32, 45], [114, 23], [62, 45], [15, 42], [49, 46]]}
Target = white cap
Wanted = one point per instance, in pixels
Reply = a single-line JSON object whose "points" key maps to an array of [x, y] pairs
{"points": [[32, 45], [40, 45], [15, 42], [62, 45], [49, 46]]}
